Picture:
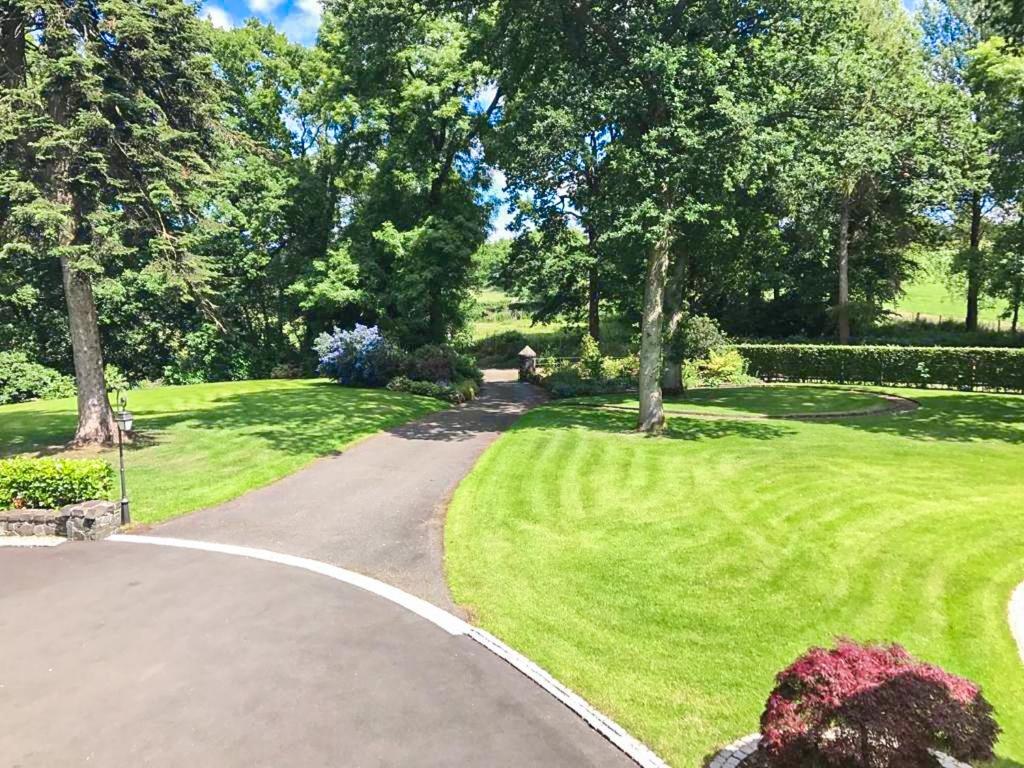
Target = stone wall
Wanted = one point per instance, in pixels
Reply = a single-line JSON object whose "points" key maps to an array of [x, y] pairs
{"points": [[86, 521]]}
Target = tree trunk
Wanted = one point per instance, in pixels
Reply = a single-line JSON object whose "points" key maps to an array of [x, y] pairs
{"points": [[974, 264], [593, 305], [652, 408], [95, 419], [1016, 307], [675, 309], [843, 304]]}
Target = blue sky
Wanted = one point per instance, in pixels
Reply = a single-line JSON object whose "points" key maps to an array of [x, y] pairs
{"points": [[298, 19]]}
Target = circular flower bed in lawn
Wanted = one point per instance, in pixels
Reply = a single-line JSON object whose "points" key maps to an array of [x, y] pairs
{"points": [[775, 401]]}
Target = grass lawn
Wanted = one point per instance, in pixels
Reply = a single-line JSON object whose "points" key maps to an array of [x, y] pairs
{"points": [[204, 444], [669, 579]]}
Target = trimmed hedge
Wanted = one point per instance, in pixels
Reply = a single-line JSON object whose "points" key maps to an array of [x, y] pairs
{"points": [[951, 367], [52, 483]]}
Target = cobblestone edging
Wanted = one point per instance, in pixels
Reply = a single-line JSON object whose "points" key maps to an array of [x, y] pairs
{"points": [[1016, 615], [737, 754], [85, 521]]}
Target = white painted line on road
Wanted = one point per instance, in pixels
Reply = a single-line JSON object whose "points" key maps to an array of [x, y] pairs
{"points": [[608, 728], [1017, 618], [450, 624], [31, 541]]}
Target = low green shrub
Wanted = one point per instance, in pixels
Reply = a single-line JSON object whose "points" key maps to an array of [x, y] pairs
{"points": [[500, 350], [442, 363], [461, 391], [952, 367], [52, 483], [721, 366], [21, 380]]}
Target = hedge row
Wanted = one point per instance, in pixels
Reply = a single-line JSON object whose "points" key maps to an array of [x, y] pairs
{"points": [[52, 483], [953, 367]]}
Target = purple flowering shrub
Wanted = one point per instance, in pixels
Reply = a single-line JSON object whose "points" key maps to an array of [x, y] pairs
{"points": [[361, 357], [872, 706]]}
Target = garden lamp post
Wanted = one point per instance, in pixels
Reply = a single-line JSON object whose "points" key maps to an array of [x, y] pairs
{"points": [[124, 420]]}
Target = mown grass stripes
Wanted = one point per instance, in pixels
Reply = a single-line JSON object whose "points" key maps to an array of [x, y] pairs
{"points": [[669, 579]]}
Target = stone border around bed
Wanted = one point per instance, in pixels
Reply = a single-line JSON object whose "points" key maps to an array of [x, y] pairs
{"points": [[85, 521], [735, 755]]}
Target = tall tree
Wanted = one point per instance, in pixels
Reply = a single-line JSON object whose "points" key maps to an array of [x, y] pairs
{"points": [[105, 130], [668, 77], [417, 80], [996, 73], [950, 30]]}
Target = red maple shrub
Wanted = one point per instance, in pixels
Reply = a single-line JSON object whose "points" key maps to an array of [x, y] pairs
{"points": [[872, 706]]}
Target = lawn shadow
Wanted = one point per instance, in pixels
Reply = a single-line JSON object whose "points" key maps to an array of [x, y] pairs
{"points": [[314, 420], [678, 427], [40, 434], [498, 407], [960, 417]]}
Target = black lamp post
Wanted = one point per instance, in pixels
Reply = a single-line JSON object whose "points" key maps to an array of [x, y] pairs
{"points": [[124, 420]]}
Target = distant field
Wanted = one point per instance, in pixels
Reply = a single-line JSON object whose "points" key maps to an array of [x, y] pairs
{"points": [[929, 296]]}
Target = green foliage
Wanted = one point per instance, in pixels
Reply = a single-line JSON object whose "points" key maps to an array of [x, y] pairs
{"points": [[457, 392], [591, 360], [21, 379], [696, 338], [52, 483], [721, 366], [953, 367], [590, 374], [442, 364]]}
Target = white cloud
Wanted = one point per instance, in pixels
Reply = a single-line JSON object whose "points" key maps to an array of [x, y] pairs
{"points": [[263, 6], [310, 7], [303, 23], [218, 17]]}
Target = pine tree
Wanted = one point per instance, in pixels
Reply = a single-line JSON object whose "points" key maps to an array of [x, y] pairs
{"points": [[105, 129]]}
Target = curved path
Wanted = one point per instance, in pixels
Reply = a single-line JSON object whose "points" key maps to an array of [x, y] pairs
{"points": [[377, 508], [123, 654]]}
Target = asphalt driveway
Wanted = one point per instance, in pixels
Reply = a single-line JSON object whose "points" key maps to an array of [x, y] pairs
{"points": [[122, 654]]}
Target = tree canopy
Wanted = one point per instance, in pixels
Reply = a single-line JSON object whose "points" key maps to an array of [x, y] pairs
{"points": [[189, 203]]}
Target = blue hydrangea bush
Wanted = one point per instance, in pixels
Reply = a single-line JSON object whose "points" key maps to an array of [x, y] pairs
{"points": [[361, 357]]}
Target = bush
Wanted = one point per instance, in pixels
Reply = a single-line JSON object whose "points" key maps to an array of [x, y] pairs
{"points": [[722, 366], [439, 363], [460, 392], [52, 483], [859, 706], [361, 357], [954, 367], [500, 350], [697, 337], [591, 360], [21, 380]]}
